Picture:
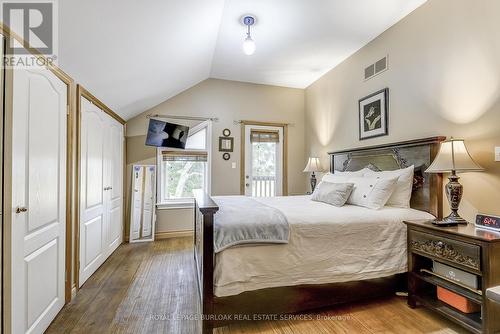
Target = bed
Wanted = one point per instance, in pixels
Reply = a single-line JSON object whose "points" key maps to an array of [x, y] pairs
{"points": [[332, 252]]}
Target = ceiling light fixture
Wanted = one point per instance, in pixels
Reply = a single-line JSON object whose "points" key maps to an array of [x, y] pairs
{"points": [[249, 43]]}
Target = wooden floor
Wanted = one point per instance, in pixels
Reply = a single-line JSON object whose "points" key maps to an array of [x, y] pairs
{"points": [[151, 288]]}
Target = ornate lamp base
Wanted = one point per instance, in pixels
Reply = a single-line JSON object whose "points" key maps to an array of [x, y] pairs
{"points": [[454, 191], [452, 220], [313, 182]]}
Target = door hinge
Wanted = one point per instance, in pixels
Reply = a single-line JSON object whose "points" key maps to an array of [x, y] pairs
{"points": [[67, 110]]}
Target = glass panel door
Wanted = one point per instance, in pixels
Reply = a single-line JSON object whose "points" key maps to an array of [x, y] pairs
{"points": [[263, 161]]}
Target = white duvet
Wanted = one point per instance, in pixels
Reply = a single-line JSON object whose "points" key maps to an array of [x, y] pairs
{"points": [[327, 244]]}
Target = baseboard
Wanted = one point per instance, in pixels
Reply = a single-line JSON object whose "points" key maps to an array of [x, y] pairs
{"points": [[169, 234], [173, 234]]}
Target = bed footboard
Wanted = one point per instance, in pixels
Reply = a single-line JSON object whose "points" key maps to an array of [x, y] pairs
{"points": [[205, 209]]}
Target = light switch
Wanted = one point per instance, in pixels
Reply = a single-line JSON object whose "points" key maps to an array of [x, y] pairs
{"points": [[497, 153], [233, 165]]}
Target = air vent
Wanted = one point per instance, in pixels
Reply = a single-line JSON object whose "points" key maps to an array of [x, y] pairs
{"points": [[370, 71], [376, 68]]}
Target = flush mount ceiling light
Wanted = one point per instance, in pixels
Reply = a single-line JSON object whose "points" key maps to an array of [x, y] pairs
{"points": [[248, 44]]}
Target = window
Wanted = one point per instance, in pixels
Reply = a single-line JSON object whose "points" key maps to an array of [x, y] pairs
{"points": [[183, 171]]}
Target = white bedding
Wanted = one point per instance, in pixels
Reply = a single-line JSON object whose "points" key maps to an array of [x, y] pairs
{"points": [[327, 244]]}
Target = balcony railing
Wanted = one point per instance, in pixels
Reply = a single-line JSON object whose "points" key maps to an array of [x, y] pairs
{"points": [[263, 186]]}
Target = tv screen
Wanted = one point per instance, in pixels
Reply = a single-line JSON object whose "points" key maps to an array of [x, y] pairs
{"points": [[163, 134]]}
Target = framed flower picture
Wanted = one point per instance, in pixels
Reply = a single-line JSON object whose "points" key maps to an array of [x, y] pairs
{"points": [[374, 115]]}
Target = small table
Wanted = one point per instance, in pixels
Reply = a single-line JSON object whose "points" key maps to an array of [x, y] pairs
{"points": [[467, 248]]}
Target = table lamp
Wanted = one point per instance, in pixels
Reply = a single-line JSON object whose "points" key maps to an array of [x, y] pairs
{"points": [[313, 165], [453, 158]]}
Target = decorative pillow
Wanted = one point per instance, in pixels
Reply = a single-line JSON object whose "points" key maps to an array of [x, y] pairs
{"points": [[402, 194], [332, 193], [371, 192]]}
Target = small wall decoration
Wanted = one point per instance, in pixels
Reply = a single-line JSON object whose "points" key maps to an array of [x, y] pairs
{"points": [[226, 144], [226, 132], [226, 156], [374, 115]]}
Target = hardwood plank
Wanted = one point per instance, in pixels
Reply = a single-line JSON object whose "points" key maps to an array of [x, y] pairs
{"points": [[148, 288], [75, 310]]}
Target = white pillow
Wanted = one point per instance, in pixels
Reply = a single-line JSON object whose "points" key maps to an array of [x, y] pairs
{"points": [[334, 178], [402, 194], [360, 172], [371, 192], [338, 175], [332, 193]]}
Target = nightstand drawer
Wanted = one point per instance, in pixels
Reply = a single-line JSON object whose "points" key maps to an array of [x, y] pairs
{"points": [[462, 253]]}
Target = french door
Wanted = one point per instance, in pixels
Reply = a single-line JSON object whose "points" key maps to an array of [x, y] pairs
{"points": [[39, 140], [263, 160], [101, 179]]}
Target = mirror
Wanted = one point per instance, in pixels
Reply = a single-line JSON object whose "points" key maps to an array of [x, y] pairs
{"points": [[143, 201]]}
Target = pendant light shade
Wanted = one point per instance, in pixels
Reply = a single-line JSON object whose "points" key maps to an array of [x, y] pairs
{"points": [[249, 46]]}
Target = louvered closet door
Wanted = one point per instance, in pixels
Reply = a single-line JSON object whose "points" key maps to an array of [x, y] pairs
{"points": [[38, 199], [93, 224], [113, 184]]}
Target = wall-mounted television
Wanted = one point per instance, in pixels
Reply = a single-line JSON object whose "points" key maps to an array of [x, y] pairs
{"points": [[163, 134]]}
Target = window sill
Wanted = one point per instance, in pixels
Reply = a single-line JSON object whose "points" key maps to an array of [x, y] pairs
{"points": [[172, 205]]}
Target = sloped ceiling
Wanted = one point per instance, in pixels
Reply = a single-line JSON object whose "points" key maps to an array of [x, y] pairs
{"points": [[135, 54]]}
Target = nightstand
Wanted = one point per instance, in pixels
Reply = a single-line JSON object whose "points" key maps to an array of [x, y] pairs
{"points": [[471, 252]]}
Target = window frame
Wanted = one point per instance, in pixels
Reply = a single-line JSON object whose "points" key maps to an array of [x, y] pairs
{"points": [[184, 203]]}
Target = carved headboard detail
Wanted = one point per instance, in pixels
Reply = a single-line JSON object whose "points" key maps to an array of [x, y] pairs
{"points": [[427, 188]]}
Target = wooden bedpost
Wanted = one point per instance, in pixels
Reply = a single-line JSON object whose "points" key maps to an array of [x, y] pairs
{"points": [[205, 209]]}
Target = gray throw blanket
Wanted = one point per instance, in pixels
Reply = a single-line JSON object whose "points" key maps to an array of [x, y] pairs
{"points": [[243, 220]]}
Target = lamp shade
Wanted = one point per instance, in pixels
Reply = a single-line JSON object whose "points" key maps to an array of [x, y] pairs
{"points": [[313, 165], [453, 156]]}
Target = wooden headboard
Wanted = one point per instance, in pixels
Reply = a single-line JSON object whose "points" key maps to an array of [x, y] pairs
{"points": [[427, 188]]}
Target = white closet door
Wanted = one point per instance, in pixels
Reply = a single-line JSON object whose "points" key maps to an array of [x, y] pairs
{"points": [[38, 199], [137, 185], [113, 184], [149, 202], [93, 216]]}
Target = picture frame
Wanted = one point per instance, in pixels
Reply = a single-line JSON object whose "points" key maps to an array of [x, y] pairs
{"points": [[226, 144], [373, 115]]}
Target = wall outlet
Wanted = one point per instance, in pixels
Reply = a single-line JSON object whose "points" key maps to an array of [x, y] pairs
{"points": [[233, 164], [497, 153]]}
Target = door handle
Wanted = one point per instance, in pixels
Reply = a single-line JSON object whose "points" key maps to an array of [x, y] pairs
{"points": [[21, 209]]}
